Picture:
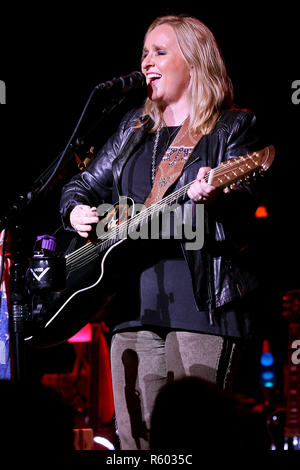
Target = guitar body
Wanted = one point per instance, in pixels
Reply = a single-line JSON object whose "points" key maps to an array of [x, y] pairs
{"points": [[90, 284]]}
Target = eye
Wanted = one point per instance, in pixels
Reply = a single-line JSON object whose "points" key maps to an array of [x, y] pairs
{"points": [[144, 55], [161, 52]]}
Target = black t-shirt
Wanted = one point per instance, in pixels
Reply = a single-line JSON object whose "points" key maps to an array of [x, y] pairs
{"points": [[156, 289]]}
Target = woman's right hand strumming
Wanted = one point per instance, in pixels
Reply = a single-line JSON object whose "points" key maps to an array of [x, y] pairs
{"points": [[81, 218]]}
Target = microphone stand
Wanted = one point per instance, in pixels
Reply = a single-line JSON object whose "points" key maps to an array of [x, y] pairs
{"points": [[18, 306], [19, 295]]}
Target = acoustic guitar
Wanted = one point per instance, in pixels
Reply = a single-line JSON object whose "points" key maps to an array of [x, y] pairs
{"points": [[62, 314]]}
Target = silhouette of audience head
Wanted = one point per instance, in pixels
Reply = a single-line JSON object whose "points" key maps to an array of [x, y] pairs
{"points": [[192, 414]]}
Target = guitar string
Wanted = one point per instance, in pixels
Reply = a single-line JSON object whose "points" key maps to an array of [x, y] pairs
{"points": [[92, 252], [81, 262], [92, 248], [83, 251]]}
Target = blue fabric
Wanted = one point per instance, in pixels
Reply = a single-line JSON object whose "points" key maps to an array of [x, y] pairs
{"points": [[5, 372]]}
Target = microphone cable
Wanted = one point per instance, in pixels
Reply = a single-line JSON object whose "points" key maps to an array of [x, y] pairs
{"points": [[53, 174]]}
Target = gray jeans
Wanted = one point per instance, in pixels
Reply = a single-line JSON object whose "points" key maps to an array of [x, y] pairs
{"points": [[143, 361]]}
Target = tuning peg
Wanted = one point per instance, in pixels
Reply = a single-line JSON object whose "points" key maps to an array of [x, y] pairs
{"points": [[226, 190], [233, 186]]}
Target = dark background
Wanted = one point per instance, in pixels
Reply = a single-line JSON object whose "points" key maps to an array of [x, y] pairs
{"points": [[51, 59]]}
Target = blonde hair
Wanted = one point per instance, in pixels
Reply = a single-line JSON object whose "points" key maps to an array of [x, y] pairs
{"points": [[210, 87]]}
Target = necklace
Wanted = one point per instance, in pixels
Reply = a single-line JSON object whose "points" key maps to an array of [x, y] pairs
{"points": [[153, 166], [153, 163], [172, 163]]}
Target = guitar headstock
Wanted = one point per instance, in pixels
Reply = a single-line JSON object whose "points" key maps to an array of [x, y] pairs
{"points": [[243, 168], [291, 305]]}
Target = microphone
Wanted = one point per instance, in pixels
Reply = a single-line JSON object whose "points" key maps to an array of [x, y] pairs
{"points": [[124, 83]]}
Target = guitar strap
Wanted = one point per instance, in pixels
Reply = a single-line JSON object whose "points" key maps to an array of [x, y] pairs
{"points": [[172, 163]]}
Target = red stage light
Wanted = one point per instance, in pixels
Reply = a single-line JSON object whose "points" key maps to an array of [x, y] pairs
{"points": [[261, 212], [82, 336]]}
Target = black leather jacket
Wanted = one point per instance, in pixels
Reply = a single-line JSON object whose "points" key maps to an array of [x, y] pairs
{"points": [[220, 272]]}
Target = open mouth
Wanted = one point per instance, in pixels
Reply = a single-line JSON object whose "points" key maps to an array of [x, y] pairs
{"points": [[153, 77]]}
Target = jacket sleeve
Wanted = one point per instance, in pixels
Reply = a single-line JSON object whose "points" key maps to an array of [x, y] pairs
{"points": [[244, 135], [236, 210], [94, 185]]}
